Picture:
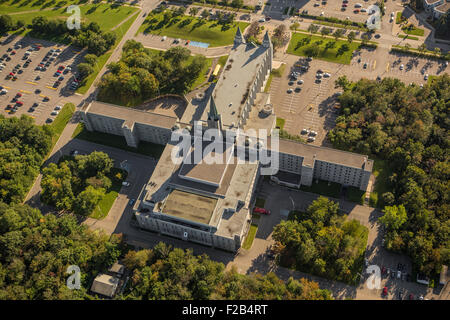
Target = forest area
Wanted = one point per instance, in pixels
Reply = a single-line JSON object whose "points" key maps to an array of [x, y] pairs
{"points": [[405, 126]]}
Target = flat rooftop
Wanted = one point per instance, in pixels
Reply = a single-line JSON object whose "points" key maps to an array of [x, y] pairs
{"points": [[443, 7], [130, 115], [189, 206], [235, 81], [211, 167], [311, 153]]}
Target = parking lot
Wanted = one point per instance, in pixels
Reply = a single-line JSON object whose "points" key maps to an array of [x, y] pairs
{"points": [[36, 76], [309, 105], [338, 8]]}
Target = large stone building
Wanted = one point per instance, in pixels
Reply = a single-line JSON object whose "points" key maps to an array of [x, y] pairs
{"points": [[437, 8], [210, 203]]}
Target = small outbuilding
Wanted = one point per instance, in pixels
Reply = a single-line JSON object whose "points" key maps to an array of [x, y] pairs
{"points": [[105, 285]]}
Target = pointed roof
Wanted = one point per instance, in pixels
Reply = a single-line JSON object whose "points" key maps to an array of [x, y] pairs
{"points": [[266, 41], [213, 113], [239, 38]]}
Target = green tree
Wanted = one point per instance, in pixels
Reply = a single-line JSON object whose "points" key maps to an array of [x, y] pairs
{"points": [[351, 36], [85, 69], [6, 23], [87, 200], [394, 217]]}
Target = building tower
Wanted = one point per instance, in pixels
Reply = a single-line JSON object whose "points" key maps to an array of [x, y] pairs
{"points": [[214, 119], [239, 38]]}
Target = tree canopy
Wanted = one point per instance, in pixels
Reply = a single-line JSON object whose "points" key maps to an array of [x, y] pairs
{"points": [[406, 126], [141, 73], [23, 146], [77, 184], [322, 242]]}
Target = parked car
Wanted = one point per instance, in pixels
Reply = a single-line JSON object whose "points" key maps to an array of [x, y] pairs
{"points": [[126, 184], [261, 210], [131, 202], [385, 291]]}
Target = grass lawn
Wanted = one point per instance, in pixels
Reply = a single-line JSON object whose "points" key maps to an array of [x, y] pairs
{"points": [[195, 29], [399, 18], [106, 15], [322, 188], [222, 60], [300, 42], [61, 121], [355, 195], [120, 31], [413, 30], [408, 37], [13, 6], [381, 172], [280, 123], [145, 148], [103, 207], [275, 73], [260, 202], [250, 237]]}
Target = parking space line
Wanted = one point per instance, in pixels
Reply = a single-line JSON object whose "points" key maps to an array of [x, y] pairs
{"points": [[24, 91], [50, 87], [29, 82]]}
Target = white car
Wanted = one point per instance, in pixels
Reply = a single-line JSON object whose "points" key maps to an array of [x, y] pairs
{"points": [[164, 38], [401, 67], [126, 184], [262, 20], [55, 113], [399, 274], [4, 91]]}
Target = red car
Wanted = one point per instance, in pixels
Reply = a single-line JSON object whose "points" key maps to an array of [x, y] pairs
{"points": [[411, 297], [61, 68], [385, 291], [261, 210], [18, 94], [20, 103]]}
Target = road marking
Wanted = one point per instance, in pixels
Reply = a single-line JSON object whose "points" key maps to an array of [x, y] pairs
{"points": [[374, 64], [41, 95], [50, 87], [6, 87], [31, 82], [387, 67], [24, 91]]}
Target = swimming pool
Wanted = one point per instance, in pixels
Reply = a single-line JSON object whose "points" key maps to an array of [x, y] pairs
{"points": [[199, 44]]}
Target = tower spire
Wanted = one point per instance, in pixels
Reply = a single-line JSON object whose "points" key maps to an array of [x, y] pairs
{"points": [[214, 119], [239, 38], [266, 41], [213, 114]]}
